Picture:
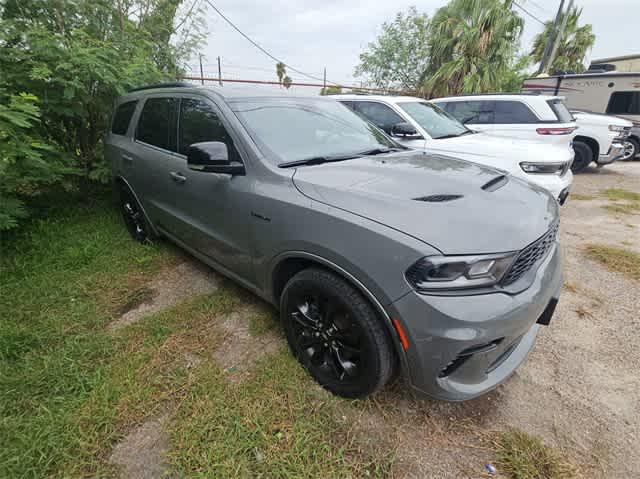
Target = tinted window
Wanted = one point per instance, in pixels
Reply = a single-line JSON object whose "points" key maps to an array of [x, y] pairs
{"points": [[560, 109], [512, 112], [474, 112], [380, 115], [122, 117], [293, 129], [157, 124], [199, 122], [624, 102], [433, 120]]}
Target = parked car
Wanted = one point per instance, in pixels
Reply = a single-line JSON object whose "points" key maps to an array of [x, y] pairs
{"points": [[609, 92], [600, 139], [381, 260], [541, 116], [418, 124]]}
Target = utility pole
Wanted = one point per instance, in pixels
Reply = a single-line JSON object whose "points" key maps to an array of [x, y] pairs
{"points": [[544, 62], [201, 71], [219, 73], [324, 81], [559, 34]]}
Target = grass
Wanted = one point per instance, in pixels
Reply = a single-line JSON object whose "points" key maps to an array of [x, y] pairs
{"points": [[71, 389], [581, 197], [522, 456], [623, 201], [616, 259]]}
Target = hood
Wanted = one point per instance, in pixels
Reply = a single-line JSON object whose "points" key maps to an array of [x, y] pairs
{"points": [[455, 206], [600, 119], [497, 151]]}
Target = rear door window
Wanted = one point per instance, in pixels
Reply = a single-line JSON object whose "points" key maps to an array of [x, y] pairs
{"points": [[561, 111], [122, 117], [158, 123], [506, 112], [624, 103], [199, 122], [474, 111], [380, 115]]}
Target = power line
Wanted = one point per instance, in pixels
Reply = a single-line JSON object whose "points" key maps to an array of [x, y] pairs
{"points": [[527, 12], [258, 46]]}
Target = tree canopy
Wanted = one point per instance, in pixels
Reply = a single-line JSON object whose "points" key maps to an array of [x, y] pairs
{"points": [[399, 56], [71, 59], [574, 43]]}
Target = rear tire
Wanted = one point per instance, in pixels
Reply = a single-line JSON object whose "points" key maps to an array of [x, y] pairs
{"points": [[133, 216], [583, 156], [631, 149], [336, 334]]}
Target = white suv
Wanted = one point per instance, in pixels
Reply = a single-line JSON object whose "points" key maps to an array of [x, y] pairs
{"points": [[417, 123], [599, 138]]}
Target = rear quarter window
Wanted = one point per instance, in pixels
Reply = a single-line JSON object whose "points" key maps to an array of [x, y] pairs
{"points": [[513, 112], [122, 117], [560, 110]]}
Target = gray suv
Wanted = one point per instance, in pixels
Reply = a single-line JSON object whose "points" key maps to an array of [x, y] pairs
{"points": [[382, 260]]}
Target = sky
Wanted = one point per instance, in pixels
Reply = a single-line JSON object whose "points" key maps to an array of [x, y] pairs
{"points": [[310, 35]]}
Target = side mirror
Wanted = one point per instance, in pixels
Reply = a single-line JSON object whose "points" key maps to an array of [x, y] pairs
{"points": [[212, 157], [404, 129]]}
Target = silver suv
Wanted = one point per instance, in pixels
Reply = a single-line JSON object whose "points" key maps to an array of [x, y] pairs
{"points": [[381, 260]]}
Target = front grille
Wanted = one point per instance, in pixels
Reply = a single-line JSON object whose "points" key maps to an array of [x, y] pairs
{"points": [[531, 255]]}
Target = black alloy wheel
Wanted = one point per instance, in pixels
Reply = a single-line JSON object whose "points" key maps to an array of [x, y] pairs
{"points": [[335, 333], [133, 216]]}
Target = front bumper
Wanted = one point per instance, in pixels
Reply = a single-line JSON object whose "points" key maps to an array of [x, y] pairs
{"points": [[554, 184], [463, 346], [616, 151]]}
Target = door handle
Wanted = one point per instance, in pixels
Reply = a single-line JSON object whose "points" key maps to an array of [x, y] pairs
{"points": [[127, 158], [177, 177]]}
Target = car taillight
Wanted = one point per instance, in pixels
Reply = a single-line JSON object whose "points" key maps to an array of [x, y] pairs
{"points": [[556, 131]]}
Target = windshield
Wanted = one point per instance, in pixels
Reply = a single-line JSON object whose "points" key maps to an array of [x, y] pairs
{"points": [[293, 129], [433, 120]]}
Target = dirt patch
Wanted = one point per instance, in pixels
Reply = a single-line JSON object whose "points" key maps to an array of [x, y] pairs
{"points": [[239, 349], [140, 455], [171, 285]]}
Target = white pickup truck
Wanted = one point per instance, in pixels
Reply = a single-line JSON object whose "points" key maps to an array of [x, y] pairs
{"points": [[600, 138]]}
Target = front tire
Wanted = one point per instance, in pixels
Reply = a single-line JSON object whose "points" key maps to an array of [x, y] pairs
{"points": [[336, 334], [631, 149], [583, 156]]}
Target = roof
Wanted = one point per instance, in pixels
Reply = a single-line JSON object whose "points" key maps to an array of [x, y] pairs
{"points": [[387, 98], [635, 56], [495, 96], [228, 92]]}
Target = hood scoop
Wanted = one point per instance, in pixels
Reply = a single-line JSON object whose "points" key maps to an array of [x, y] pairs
{"points": [[438, 198], [495, 183]]}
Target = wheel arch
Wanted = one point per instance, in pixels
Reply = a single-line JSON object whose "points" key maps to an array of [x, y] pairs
{"points": [[120, 181], [286, 265]]}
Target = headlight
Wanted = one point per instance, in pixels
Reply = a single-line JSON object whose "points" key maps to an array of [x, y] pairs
{"points": [[438, 273], [544, 168], [617, 128]]}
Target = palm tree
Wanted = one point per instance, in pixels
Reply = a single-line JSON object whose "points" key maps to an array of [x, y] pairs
{"points": [[472, 44], [281, 71], [574, 43], [287, 81]]}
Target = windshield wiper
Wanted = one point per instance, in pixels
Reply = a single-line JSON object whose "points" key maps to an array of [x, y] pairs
{"points": [[452, 136], [377, 151], [316, 160]]}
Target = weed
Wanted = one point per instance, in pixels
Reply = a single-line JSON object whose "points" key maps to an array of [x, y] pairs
{"points": [[616, 259]]}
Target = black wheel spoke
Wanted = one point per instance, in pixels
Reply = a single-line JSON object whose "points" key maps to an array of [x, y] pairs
{"points": [[302, 317], [348, 367], [348, 348], [309, 341]]}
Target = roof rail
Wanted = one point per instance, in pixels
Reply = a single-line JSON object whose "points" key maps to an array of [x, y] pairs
{"points": [[178, 84]]}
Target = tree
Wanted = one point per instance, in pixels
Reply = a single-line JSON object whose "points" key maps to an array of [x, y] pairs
{"points": [[472, 45], [287, 81], [574, 43], [331, 90], [77, 56], [399, 56], [281, 71]]}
